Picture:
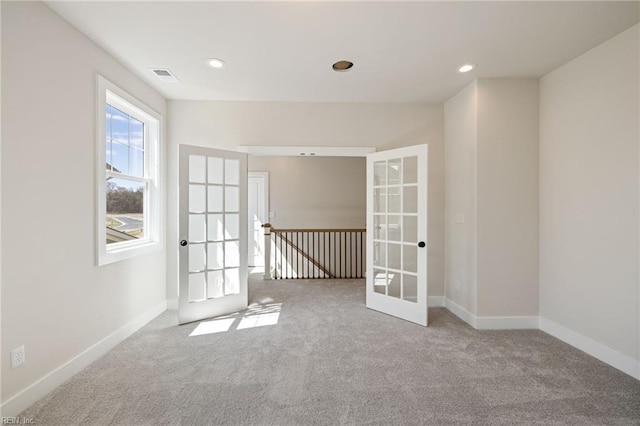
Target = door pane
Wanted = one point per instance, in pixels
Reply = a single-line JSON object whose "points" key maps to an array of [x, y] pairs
{"points": [[379, 173], [410, 171], [215, 170], [394, 200], [394, 279], [380, 200], [215, 256], [232, 199], [196, 228], [196, 257], [380, 254], [395, 227], [410, 258], [215, 228], [380, 281], [379, 227], [231, 281], [410, 229], [197, 168], [232, 226], [393, 259], [215, 199], [196, 287], [231, 254], [410, 199], [410, 288], [215, 284], [231, 172], [196, 199], [394, 172]]}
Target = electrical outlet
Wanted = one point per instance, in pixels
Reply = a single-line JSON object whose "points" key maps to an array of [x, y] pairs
{"points": [[18, 357]]}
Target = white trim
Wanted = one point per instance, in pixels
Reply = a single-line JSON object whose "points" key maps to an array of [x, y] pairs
{"points": [[34, 392], [460, 312], [309, 151], [172, 304], [435, 302], [622, 362], [108, 92], [506, 323]]}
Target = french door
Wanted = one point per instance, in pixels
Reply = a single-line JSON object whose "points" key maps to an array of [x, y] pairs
{"points": [[213, 233], [397, 233]]}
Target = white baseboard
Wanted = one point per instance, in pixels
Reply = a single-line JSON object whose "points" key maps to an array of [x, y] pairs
{"points": [[492, 323], [435, 301], [507, 323], [172, 304], [34, 392], [460, 312], [622, 362]]}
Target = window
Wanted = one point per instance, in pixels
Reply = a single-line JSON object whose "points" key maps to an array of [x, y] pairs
{"points": [[128, 148]]}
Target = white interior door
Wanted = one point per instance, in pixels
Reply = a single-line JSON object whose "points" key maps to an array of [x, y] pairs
{"points": [[258, 187], [213, 233], [397, 233]]}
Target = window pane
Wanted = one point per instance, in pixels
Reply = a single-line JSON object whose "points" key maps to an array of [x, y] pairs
{"points": [[410, 287], [410, 199], [125, 214], [196, 287], [136, 162], [380, 173], [136, 133], [120, 156], [379, 254], [119, 126], [231, 254], [410, 170], [394, 256], [196, 228], [379, 281], [394, 284], [395, 228], [108, 137]]}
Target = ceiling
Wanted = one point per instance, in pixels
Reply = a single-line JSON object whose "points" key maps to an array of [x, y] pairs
{"points": [[283, 51]]}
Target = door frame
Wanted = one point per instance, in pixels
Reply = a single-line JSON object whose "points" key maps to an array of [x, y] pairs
{"points": [[263, 179]]}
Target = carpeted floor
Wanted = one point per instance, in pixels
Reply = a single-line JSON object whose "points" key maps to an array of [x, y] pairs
{"points": [[309, 352]]}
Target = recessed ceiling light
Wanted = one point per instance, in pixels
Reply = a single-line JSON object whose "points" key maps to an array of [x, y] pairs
{"points": [[216, 63], [342, 66], [466, 68]]}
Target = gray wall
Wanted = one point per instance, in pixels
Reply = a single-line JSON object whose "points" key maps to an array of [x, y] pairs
{"points": [[55, 300], [589, 194], [315, 192]]}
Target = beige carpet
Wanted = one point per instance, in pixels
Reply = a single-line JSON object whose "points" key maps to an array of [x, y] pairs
{"points": [[309, 352]]}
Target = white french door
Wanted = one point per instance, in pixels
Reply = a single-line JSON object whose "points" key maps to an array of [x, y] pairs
{"points": [[257, 208], [397, 233], [213, 232]]}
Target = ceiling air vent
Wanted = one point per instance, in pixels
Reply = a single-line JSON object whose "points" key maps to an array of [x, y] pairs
{"points": [[165, 75]]}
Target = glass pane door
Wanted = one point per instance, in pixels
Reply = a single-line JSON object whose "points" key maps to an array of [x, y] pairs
{"points": [[396, 232], [212, 226]]}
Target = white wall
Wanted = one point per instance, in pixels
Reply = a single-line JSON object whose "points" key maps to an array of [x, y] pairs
{"points": [[507, 197], [315, 192], [491, 201], [56, 301], [227, 125], [589, 194], [460, 207]]}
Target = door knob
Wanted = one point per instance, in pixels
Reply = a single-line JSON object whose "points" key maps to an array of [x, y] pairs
{"points": [[183, 243], [421, 244]]}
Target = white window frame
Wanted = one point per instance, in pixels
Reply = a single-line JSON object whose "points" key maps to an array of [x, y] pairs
{"points": [[108, 92]]}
